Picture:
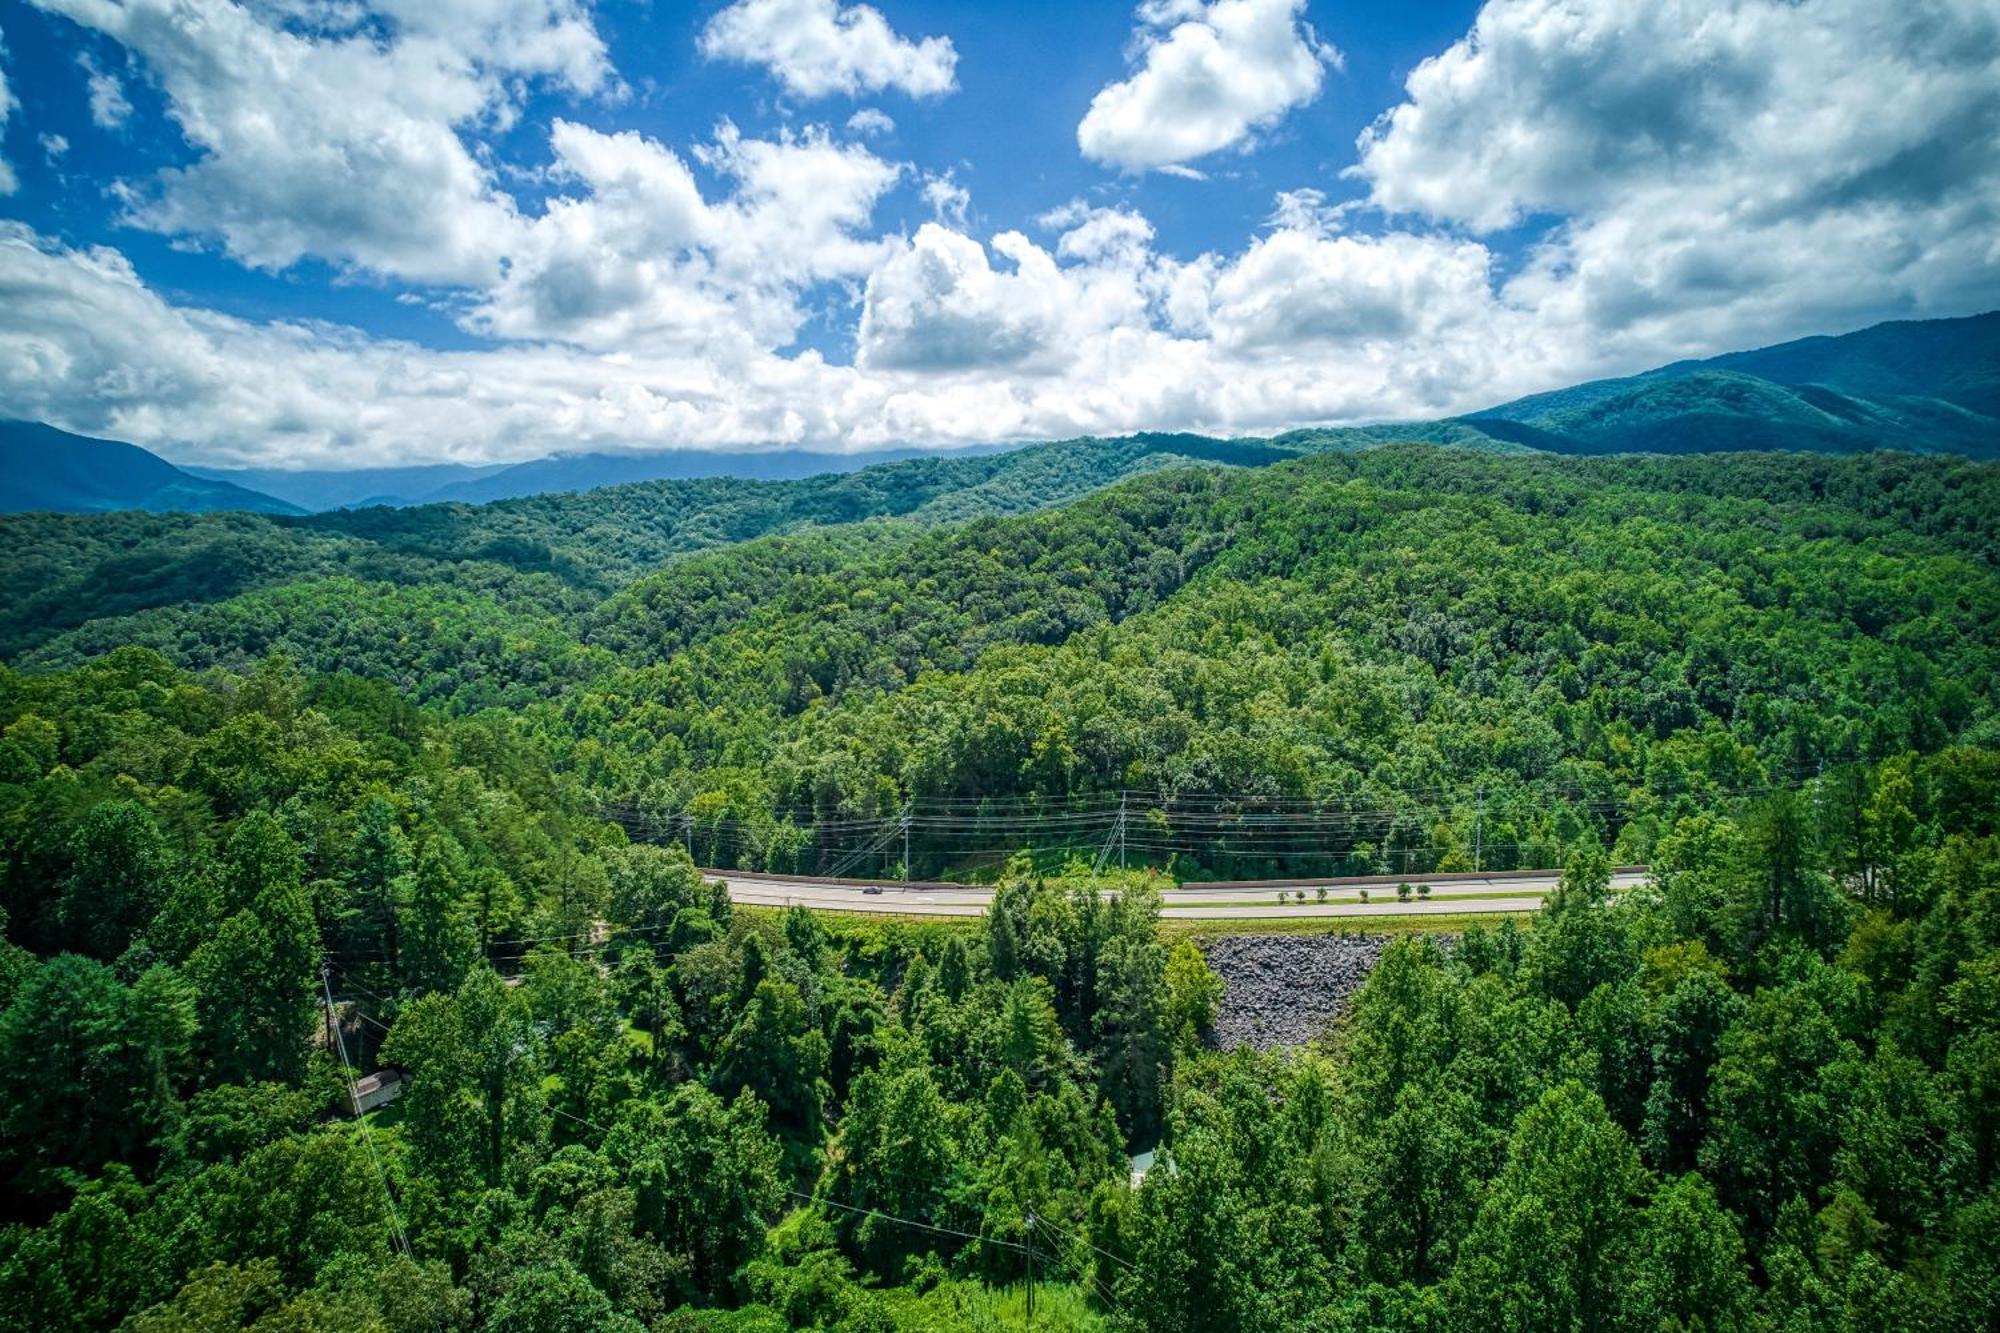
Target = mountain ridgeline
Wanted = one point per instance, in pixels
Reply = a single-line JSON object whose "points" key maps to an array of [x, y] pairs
{"points": [[1921, 386], [42, 468]]}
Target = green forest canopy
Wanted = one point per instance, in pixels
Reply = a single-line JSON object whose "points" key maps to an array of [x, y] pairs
{"points": [[1410, 649], [1759, 1094]]}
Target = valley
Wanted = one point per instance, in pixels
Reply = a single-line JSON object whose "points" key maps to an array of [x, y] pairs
{"points": [[744, 883], [919, 666]]}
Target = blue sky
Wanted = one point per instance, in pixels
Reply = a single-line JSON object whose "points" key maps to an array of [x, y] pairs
{"points": [[326, 233]]}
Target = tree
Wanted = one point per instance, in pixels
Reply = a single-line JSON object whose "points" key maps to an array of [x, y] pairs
{"points": [[1612, 1023], [706, 1177], [1896, 1152], [776, 1053], [1773, 1095], [256, 981], [505, 1064], [377, 861], [441, 1109], [439, 941], [95, 1262], [1131, 1019], [475, 1085], [1193, 992], [218, 1299], [303, 1200], [1032, 1043], [120, 872], [1779, 887], [1419, 1169], [89, 1068], [1402, 1027], [554, 1297], [1581, 940], [1551, 1245], [1688, 1269], [650, 886], [895, 1156], [1889, 825], [1688, 1028], [260, 855]]}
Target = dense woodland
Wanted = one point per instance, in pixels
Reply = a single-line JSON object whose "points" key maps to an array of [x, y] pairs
{"points": [[383, 814], [1347, 663], [1764, 1094]]}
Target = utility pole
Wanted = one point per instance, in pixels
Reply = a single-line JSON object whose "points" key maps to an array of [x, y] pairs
{"points": [[908, 808], [687, 831], [1479, 831], [326, 984], [1121, 830], [1031, 1268]]}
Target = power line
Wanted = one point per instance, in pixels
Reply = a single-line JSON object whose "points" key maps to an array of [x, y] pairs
{"points": [[1214, 811], [1102, 805], [911, 1222], [847, 1207], [400, 1237], [1104, 1293], [1080, 1240]]}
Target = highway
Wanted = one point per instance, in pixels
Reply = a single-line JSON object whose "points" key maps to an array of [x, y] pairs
{"points": [[1448, 896]]}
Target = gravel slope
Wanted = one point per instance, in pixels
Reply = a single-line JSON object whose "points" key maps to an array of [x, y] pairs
{"points": [[1285, 990]]}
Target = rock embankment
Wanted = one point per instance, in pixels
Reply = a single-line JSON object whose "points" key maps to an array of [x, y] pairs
{"points": [[1284, 990]]}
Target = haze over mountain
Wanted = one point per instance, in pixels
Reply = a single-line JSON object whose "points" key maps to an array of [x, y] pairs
{"points": [[350, 488], [483, 483]]}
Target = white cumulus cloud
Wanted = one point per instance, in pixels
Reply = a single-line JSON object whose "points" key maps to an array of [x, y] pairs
{"points": [[871, 120], [337, 142], [109, 106], [1715, 172], [941, 305], [1680, 179], [637, 259], [819, 47], [8, 105], [1210, 77]]}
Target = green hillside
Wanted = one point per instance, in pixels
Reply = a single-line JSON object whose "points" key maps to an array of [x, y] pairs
{"points": [[1344, 629], [1754, 1094], [1954, 361], [1720, 411], [543, 553], [1930, 386]]}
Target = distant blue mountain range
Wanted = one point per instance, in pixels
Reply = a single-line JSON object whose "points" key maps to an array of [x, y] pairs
{"points": [[45, 468], [1929, 386]]}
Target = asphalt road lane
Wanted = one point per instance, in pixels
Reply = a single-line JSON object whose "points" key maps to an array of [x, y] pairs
{"points": [[1447, 897]]}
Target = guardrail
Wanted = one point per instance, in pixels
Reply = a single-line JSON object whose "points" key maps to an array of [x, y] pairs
{"points": [[837, 880], [1370, 881]]}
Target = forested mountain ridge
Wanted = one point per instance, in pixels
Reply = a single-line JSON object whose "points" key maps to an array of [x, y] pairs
{"points": [[544, 552], [1929, 385], [1926, 386], [1579, 639], [1348, 629], [42, 468]]}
